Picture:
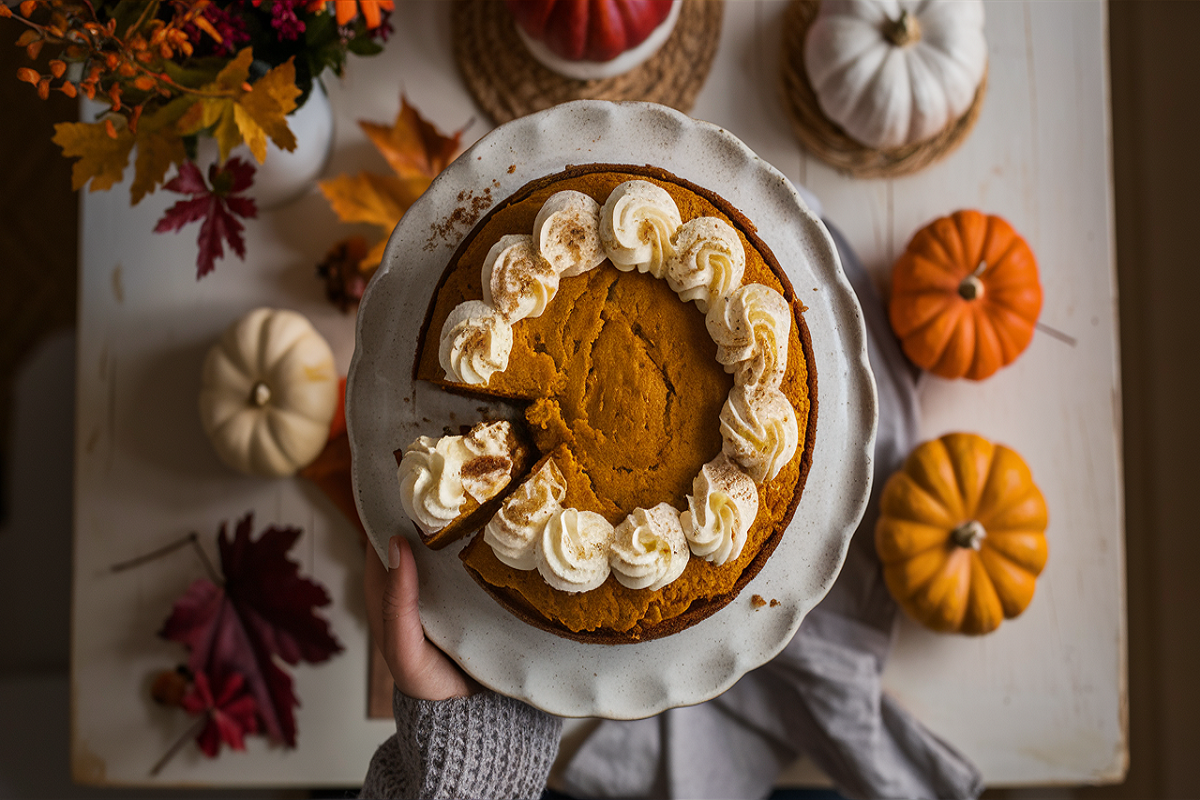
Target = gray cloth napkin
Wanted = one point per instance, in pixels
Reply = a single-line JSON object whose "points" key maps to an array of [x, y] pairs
{"points": [[821, 696]]}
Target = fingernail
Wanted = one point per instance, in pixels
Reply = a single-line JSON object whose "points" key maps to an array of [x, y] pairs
{"points": [[394, 552]]}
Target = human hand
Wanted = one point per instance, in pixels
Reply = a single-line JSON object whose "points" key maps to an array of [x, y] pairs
{"points": [[419, 669]]}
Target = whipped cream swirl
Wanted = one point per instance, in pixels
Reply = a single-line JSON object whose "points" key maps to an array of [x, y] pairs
{"points": [[517, 281], [514, 530], [431, 489], [708, 262], [721, 509], [759, 430], [751, 326], [637, 226], [476, 342], [649, 548], [431, 473], [572, 552], [566, 232]]}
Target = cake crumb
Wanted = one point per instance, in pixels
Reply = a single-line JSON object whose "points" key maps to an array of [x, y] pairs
{"points": [[775, 602], [757, 601], [512, 168]]}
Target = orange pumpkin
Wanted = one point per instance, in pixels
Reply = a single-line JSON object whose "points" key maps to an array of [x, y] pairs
{"points": [[965, 296], [962, 534]]}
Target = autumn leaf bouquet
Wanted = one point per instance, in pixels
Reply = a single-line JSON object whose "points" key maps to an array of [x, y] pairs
{"points": [[168, 72]]}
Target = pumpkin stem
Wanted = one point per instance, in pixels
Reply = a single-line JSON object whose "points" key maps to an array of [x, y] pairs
{"points": [[971, 287], [904, 31], [260, 395], [969, 534]]}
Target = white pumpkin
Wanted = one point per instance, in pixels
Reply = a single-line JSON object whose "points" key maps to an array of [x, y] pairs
{"points": [[895, 72], [269, 391]]}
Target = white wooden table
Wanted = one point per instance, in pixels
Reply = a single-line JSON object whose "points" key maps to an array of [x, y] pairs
{"points": [[1043, 700]]}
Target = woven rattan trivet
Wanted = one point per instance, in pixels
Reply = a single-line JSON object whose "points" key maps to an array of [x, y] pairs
{"points": [[508, 82], [827, 140]]}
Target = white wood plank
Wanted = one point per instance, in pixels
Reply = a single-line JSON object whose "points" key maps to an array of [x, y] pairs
{"points": [[1043, 699]]}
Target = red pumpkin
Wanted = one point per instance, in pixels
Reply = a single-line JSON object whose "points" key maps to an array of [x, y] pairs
{"points": [[589, 30]]}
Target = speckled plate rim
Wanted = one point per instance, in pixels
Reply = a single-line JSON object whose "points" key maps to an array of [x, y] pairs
{"points": [[387, 409]]}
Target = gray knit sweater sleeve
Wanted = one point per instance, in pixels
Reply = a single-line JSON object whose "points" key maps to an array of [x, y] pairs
{"points": [[485, 746]]}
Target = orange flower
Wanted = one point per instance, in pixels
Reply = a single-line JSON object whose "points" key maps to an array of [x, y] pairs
{"points": [[371, 10]]}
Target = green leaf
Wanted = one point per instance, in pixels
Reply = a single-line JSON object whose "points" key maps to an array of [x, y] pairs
{"points": [[197, 73], [166, 115], [364, 47], [318, 28]]}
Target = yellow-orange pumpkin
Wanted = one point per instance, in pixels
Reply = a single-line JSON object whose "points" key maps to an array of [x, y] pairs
{"points": [[965, 296], [961, 534]]}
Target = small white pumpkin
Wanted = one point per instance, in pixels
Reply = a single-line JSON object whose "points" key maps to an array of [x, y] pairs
{"points": [[268, 393], [896, 72]]}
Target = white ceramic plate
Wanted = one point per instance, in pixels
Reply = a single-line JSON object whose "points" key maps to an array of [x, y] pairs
{"points": [[386, 410]]}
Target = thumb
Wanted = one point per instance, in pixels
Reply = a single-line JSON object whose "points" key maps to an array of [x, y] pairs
{"points": [[402, 631], [419, 669]]}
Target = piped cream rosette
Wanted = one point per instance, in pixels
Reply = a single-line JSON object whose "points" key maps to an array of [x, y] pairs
{"points": [[437, 475], [514, 531], [703, 261]]}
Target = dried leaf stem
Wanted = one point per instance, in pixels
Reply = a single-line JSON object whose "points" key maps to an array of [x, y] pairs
{"points": [[192, 538]]}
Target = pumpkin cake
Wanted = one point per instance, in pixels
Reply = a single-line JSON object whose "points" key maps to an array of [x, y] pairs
{"points": [[666, 376]]}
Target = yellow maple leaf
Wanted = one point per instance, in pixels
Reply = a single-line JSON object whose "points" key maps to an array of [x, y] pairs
{"points": [[416, 151], [156, 153], [234, 74], [215, 111], [159, 146], [102, 149], [225, 129], [235, 112], [262, 112]]}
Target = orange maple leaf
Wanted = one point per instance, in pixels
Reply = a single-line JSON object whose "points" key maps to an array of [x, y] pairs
{"points": [[413, 147], [415, 150]]}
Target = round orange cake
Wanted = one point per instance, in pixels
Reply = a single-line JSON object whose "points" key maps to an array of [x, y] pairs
{"points": [[621, 387]]}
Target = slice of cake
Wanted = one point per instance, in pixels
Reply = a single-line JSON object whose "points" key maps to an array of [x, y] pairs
{"points": [[452, 485], [668, 382]]}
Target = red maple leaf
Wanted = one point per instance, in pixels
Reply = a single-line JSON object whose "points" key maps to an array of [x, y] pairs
{"points": [[231, 713], [264, 611], [217, 203]]}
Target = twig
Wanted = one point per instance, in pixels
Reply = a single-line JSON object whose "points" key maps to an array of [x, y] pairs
{"points": [[1057, 334], [190, 733], [192, 539], [213, 575]]}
